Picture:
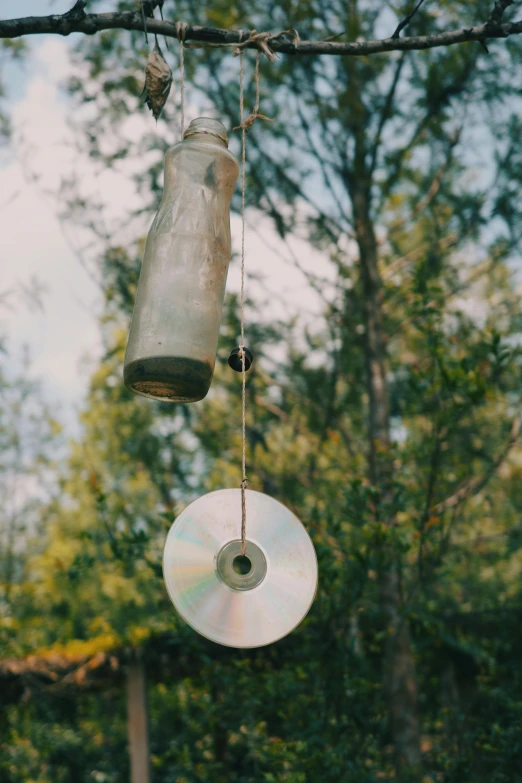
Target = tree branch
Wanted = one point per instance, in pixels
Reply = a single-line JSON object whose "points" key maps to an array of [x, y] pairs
{"points": [[405, 22], [77, 21], [428, 197], [498, 11], [474, 486], [386, 111], [322, 162]]}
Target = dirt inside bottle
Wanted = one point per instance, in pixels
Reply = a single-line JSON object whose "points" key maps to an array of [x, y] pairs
{"points": [[169, 378]]}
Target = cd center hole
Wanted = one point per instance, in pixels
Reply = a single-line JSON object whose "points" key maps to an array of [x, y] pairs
{"points": [[242, 565]]}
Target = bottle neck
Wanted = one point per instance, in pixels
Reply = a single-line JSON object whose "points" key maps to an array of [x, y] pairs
{"points": [[207, 130], [207, 137]]}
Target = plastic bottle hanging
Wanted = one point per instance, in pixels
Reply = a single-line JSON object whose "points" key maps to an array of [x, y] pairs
{"points": [[173, 337]]}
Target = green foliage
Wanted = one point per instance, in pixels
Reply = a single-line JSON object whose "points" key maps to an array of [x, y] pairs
{"points": [[28, 435], [430, 141]]}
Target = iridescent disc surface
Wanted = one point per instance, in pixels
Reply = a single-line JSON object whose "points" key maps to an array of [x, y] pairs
{"points": [[240, 610]]}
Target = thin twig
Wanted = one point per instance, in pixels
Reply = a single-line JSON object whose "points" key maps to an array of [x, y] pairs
{"points": [[498, 11], [162, 19], [475, 485], [144, 23], [434, 187], [386, 110], [405, 22]]}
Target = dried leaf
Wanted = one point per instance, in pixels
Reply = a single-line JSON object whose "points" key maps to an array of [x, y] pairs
{"points": [[158, 81]]}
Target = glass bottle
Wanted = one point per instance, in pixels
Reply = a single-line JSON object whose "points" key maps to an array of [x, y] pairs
{"points": [[173, 336]]}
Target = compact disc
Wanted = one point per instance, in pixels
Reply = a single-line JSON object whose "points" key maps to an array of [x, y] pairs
{"points": [[240, 602]]}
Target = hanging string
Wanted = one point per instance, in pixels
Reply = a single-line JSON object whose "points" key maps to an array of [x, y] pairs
{"points": [[164, 37], [144, 23], [181, 30], [160, 4], [244, 125], [254, 114], [244, 480]]}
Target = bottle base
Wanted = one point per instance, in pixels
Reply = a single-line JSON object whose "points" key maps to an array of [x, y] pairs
{"points": [[168, 378]]}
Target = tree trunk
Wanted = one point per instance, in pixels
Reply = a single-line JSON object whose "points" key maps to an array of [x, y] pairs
{"points": [[399, 667], [400, 681], [137, 722]]}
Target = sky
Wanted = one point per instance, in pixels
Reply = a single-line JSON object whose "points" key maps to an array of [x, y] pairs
{"points": [[62, 336], [33, 245]]}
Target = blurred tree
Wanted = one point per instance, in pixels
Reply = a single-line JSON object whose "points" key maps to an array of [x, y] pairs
{"points": [[27, 431], [389, 425]]}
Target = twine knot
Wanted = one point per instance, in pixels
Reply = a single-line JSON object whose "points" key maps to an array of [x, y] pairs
{"points": [[249, 121], [261, 40], [181, 31], [254, 115]]}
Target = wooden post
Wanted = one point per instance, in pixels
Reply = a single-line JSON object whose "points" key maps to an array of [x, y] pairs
{"points": [[137, 722]]}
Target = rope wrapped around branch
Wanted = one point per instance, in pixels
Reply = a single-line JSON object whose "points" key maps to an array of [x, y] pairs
{"points": [[260, 40]]}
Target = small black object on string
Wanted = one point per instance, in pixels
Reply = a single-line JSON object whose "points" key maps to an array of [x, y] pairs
{"points": [[236, 362]]}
